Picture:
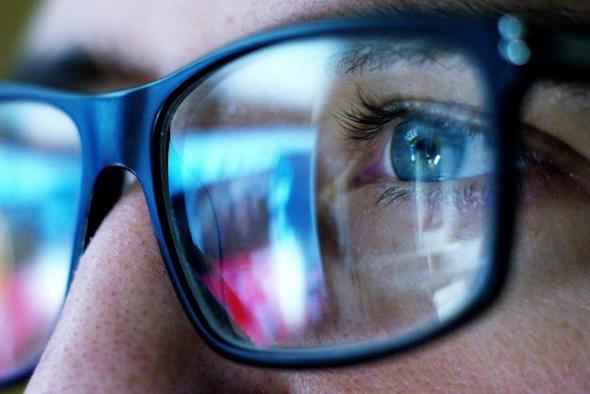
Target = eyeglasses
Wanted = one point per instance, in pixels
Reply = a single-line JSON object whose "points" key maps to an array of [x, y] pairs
{"points": [[321, 194]]}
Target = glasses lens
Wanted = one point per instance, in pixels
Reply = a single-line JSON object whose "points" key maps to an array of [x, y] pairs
{"points": [[39, 187], [334, 191]]}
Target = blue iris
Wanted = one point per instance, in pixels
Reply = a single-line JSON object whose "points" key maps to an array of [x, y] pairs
{"points": [[428, 151]]}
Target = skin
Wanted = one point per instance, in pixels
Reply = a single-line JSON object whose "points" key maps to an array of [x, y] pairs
{"points": [[122, 328]]}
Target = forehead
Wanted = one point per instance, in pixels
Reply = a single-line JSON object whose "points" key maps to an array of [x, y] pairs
{"points": [[158, 36]]}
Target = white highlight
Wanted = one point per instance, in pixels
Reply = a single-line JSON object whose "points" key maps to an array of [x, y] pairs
{"points": [[450, 299], [289, 281], [39, 124], [287, 74]]}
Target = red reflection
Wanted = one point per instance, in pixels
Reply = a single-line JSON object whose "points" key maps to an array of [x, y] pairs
{"points": [[247, 286], [21, 321]]}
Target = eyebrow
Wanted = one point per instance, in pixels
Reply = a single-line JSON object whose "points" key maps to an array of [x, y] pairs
{"points": [[375, 54], [68, 71], [540, 11], [78, 70]]}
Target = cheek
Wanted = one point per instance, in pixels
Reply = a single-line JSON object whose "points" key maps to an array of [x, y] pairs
{"points": [[546, 303], [534, 339], [551, 248]]}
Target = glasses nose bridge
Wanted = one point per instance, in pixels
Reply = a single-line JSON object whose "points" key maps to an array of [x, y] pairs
{"points": [[121, 129]]}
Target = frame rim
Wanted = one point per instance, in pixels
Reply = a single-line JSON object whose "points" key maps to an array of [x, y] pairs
{"points": [[339, 355]]}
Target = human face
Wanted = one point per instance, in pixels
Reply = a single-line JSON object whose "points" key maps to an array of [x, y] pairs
{"points": [[122, 328]]}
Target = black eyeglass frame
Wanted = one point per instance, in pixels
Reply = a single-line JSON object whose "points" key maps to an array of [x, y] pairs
{"points": [[129, 129]]}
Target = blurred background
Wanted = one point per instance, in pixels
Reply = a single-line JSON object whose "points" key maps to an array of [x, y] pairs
{"points": [[14, 15]]}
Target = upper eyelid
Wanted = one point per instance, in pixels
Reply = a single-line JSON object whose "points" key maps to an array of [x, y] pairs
{"points": [[365, 121]]}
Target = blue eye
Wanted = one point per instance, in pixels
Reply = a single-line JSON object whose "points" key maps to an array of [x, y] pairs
{"points": [[423, 150]]}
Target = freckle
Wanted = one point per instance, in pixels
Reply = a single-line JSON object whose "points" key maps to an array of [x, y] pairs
{"points": [[230, 20], [132, 379]]}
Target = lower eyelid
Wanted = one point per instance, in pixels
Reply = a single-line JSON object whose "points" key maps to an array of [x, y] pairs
{"points": [[466, 197]]}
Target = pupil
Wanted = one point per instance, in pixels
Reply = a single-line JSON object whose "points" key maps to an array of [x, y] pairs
{"points": [[425, 149]]}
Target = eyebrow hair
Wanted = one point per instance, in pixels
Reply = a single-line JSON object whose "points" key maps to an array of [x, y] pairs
{"points": [[540, 11], [375, 54]]}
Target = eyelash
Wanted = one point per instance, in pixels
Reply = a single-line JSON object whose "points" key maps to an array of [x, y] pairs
{"points": [[366, 121]]}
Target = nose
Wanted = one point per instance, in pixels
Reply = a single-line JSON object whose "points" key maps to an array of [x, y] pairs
{"points": [[122, 328]]}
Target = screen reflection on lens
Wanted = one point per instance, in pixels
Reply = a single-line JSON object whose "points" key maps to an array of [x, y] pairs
{"points": [[40, 179], [333, 191]]}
